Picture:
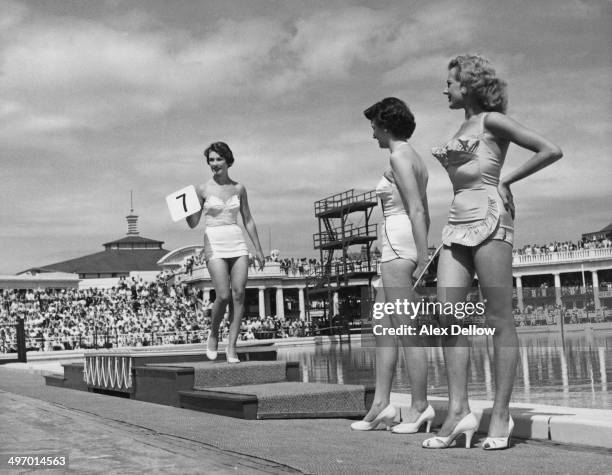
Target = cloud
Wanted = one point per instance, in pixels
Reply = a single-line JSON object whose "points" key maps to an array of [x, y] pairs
{"points": [[417, 69], [329, 42], [68, 74], [11, 14], [98, 101], [234, 55], [97, 76], [583, 9]]}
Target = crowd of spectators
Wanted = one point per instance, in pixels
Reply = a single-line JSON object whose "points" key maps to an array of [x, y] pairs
{"points": [[133, 313], [309, 266], [262, 328], [289, 266], [569, 287], [533, 315], [138, 313], [298, 266], [294, 266], [556, 246]]}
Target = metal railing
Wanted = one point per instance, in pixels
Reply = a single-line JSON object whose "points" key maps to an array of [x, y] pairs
{"points": [[337, 268], [350, 233], [343, 199]]}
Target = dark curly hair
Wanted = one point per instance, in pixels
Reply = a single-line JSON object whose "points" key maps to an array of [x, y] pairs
{"points": [[222, 149], [394, 115], [476, 74]]}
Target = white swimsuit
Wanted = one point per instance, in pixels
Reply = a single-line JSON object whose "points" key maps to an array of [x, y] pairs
{"points": [[397, 239], [223, 237]]}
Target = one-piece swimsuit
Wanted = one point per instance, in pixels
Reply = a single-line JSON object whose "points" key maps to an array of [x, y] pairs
{"points": [[477, 213], [223, 238]]}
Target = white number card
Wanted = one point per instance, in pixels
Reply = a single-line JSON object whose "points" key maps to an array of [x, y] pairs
{"points": [[183, 203]]}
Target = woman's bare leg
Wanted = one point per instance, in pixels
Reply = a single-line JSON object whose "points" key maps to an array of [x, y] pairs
{"points": [[455, 276], [494, 268], [219, 274], [397, 279], [238, 278], [386, 358]]}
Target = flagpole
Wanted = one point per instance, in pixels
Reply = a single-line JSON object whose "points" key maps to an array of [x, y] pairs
{"points": [[269, 240]]}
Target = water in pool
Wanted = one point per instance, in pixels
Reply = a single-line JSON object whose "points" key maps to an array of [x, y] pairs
{"points": [[578, 375]]}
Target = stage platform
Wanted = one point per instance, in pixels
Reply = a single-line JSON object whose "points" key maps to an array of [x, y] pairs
{"points": [[260, 387]]}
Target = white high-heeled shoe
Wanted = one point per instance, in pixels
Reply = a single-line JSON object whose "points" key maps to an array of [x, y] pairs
{"points": [[412, 427], [210, 354], [468, 425], [384, 419], [499, 443]]}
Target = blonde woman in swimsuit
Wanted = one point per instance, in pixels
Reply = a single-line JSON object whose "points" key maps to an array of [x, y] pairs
{"points": [[478, 237], [227, 257], [402, 191]]}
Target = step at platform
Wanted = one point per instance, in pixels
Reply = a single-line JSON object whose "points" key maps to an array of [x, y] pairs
{"points": [[72, 377], [54, 379], [161, 383], [281, 400], [208, 375]]}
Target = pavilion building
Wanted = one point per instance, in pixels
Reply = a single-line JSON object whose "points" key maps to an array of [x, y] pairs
{"points": [[131, 255]]}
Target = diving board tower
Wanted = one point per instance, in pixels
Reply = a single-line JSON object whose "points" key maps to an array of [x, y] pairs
{"points": [[344, 222]]}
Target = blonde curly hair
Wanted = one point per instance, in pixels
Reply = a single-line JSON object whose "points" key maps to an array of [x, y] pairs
{"points": [[476, 74]]}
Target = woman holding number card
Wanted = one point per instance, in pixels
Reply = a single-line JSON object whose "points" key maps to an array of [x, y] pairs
{"points": [[478, 237], [402, 191], [225, 250]]}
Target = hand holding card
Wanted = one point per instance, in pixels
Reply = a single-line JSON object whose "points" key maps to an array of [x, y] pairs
{"points": [[183, 203]]}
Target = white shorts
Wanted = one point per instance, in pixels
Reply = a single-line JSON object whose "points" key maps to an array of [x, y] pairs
{"points": [[397, 239], [223, 242]]}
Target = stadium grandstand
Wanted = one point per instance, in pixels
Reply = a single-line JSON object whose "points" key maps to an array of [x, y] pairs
{"points": [[149, 296]]}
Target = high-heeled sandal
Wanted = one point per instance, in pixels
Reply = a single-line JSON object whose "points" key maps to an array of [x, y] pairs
{"points": [[499, 443], [385, 419], [210, 354], [427, 416], [468, 425]]}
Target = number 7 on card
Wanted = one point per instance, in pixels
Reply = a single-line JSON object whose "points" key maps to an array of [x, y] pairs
{"points": [[183, 203]]}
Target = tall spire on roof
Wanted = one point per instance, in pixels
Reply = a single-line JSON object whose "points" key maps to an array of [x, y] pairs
{"points": [[132, 219]]}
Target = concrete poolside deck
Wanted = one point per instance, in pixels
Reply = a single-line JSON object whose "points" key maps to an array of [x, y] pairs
{"points": [[557, 424], [563, 425], [114, 435]]}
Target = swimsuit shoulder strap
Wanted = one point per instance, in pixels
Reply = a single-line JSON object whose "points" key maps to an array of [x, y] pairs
{"points": [[482, 123]]}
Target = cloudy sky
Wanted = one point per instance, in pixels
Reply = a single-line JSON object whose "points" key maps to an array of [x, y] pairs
{"points": [[102, 97]]}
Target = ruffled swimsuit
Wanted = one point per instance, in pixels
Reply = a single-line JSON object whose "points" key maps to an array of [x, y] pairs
{"points": [[396, 230], [223, 238], [477, 212]]}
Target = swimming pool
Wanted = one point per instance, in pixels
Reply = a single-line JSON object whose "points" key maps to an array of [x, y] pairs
{"points": [[576, 374]]}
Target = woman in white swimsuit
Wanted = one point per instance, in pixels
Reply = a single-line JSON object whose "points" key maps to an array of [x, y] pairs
{"points": [[402, 191], [225, 249]]}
